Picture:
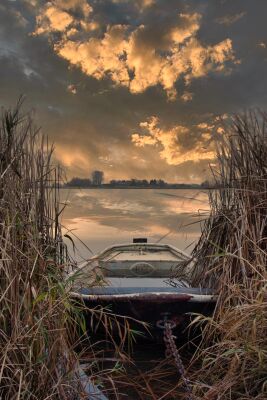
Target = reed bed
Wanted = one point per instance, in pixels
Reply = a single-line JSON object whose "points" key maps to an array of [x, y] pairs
{"points": [[44, 337], [38, 320], [231, 257], [36, 356]]}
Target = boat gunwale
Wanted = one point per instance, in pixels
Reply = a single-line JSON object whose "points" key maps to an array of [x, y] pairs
{"points": [[149, 296]]}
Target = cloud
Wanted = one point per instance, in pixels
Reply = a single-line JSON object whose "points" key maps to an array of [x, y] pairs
{"points": [[147, 3], [187, 96], [81, 5], [172, 142], [32, 3], [99, 58], [140, 4], [230, 19], [52, 19], [188, 26], [93, 127], [72, 89], [72, 158], [129, 55], [56, 16]]}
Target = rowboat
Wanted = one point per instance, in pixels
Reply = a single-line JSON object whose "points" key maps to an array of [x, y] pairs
{"points": [[133, 280]]}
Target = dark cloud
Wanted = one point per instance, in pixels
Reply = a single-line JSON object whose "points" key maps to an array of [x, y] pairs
{"points": [[92, 119]]}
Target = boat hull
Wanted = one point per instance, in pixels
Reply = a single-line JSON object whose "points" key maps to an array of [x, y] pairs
{"points": [[149, 308], [133, 281]]}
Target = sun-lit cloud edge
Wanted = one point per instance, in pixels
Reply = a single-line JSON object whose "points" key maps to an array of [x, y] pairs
{"points": [[172, 143], [123, 53]]}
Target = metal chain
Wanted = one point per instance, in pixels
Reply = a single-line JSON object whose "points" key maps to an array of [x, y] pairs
{"points": [[171, 350]]}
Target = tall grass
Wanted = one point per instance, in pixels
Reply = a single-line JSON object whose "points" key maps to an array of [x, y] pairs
{"points": [[36, 358], [231, 256], [40, 323]]}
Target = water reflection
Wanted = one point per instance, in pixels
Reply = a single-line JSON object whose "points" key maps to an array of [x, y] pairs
{"points": [[102, 217]]}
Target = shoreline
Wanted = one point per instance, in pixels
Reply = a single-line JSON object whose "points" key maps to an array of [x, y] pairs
{"points": [[132, 187]]}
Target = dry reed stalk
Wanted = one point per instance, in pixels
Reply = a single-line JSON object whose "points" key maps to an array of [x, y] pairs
{"points": [[39, 322], [36, 357], [231, 256]]}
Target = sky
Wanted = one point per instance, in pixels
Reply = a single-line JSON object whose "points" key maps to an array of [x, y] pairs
{"points": [[135, 88]]}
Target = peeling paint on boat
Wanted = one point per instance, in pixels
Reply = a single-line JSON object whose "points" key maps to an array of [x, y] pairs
{"points": [[151, 296]]}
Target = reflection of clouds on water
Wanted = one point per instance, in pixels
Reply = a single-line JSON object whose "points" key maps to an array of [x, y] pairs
{"points": [[103, 217], [125, 206]]}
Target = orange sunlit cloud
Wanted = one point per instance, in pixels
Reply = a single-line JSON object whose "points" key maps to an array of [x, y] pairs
{"points": [[71, 156], [134, 87], [169, 141], [123, 55]]}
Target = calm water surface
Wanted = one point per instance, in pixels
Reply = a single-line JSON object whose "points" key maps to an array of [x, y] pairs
{"points": [[103, 217]]}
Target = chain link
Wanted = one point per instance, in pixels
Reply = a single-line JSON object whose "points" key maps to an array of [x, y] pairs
{"points": [[171, 350]]}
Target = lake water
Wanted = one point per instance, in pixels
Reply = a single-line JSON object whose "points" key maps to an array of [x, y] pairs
{"points": [[103, 217]]}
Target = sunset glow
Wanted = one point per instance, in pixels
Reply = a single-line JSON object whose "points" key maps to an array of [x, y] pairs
{"points": [[133, 88]]}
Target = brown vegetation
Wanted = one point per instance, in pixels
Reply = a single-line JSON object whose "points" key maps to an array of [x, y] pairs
{"points": [[35, 352], [232, 258], [40, 325]]}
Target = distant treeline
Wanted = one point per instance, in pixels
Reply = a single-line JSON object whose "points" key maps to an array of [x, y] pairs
{"points": [[133, 183]]}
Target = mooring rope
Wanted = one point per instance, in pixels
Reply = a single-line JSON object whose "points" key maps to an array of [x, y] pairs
{"points": [[171, 350]]}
